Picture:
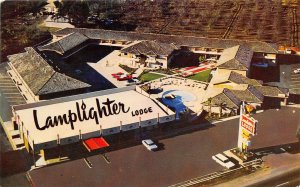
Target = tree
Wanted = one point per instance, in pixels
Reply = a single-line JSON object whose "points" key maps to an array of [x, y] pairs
{"points": [[209, 103], [36, 7]]}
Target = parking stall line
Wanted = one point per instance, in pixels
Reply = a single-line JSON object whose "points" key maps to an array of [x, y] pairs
{"points": [[106, 158], [88, 163]]}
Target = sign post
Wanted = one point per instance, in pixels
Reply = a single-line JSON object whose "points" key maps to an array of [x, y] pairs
{"points": [[247, 128]]}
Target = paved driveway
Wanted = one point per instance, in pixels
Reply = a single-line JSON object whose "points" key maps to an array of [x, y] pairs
{"points": [[183, 157]]}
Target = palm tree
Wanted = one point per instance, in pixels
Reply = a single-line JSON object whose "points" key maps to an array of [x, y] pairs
{"points": [[209, 103]]}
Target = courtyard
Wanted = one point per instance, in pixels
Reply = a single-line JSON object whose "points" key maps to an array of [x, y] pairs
{"points": [[188, 93]]}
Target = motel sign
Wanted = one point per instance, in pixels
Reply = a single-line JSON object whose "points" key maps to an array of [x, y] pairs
{"points": [[248, 124]]}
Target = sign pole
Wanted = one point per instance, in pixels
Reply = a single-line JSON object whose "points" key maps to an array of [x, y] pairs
{"points": [[240, 138]]}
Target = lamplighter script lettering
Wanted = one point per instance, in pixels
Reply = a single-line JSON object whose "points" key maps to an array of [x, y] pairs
{"points": [[82, 113]]}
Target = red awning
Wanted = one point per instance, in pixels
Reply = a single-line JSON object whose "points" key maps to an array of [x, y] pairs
{"points": [[95, 143]]}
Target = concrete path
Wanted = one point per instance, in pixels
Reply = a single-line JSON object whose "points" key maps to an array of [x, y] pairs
{"points": [[107, 66], [51, 23]]}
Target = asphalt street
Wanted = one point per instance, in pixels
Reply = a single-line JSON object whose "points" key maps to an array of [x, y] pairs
{"points": [[183, 157]]}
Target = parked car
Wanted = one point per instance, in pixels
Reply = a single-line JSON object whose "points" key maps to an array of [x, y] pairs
{"points": [[124, 77], [116, 75], [297, 70], [149, 144], [223, 161]]}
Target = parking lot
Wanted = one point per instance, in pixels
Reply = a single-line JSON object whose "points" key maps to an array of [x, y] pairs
{"points": [[180, 158]]}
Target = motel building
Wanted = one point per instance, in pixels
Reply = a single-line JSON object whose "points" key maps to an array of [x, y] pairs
{"points": [[86, 118]]}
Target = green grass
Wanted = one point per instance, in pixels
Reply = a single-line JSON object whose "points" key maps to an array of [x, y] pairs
{"points": [[202, 76], [150, 76]]}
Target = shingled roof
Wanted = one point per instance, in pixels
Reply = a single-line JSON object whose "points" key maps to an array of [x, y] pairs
{"points": [[238, 57], [40, 76], [66, 43], [271, 91], [178, 40], [151, 48], [235, 78], [248, 95], [233, 98], [227, 98], [240, 79]]}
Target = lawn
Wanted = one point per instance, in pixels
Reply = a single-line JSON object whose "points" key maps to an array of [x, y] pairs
{"points": [[150, 76], [202, 76]]}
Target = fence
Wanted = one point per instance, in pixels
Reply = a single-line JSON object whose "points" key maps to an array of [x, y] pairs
{"points": [[217, 175]]}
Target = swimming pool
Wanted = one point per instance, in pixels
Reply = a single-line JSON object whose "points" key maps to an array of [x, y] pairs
{"points": [[178, 102]]}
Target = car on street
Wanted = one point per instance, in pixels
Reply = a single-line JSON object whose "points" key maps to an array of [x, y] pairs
{"points": [[149, 144], [297, 70], [223, 161]]}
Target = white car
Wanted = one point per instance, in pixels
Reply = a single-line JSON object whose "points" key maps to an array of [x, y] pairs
{"points": [[223, 161], [297, 70], [149, 144]]}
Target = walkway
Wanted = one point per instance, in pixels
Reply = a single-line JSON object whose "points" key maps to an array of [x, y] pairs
{"points": [[107, 66], [58, 23]]}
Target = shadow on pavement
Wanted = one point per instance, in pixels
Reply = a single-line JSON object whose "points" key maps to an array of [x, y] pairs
{"points": [[292, 148], [13, 162], [127, 139]]}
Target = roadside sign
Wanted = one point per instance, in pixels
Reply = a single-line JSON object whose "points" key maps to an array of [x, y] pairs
{"points": [[248, 124]]}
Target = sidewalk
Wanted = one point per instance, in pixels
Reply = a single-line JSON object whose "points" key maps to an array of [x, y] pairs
{"points": [[51, 23], [275, 166], [107, 66]]}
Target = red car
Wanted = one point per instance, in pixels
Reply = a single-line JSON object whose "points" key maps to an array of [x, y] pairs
{"points": [[116, 75], [124, 78]]}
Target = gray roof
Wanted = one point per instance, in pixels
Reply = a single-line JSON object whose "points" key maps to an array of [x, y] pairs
{"points": [[256, 46], [151, 48], [247, 95], [241, 79], [238, 57], [66, 43], [40, 76], [233, 98], [226, 98], [221, 99], [271, 91]]}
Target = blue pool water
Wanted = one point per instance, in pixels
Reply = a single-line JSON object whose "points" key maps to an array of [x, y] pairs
{"points": [[178, 102]]}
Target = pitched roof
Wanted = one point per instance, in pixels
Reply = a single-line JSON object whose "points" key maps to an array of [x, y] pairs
{"points": [[40, 76], [233, 98], [150, 48], [226, 97], [271, 91], [178, 40], [248, 96], [237, 57], [241, 79], [66, 43], [235, 78]]}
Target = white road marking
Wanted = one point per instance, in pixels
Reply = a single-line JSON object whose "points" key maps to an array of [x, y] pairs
{"points": [[282, 184]]}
